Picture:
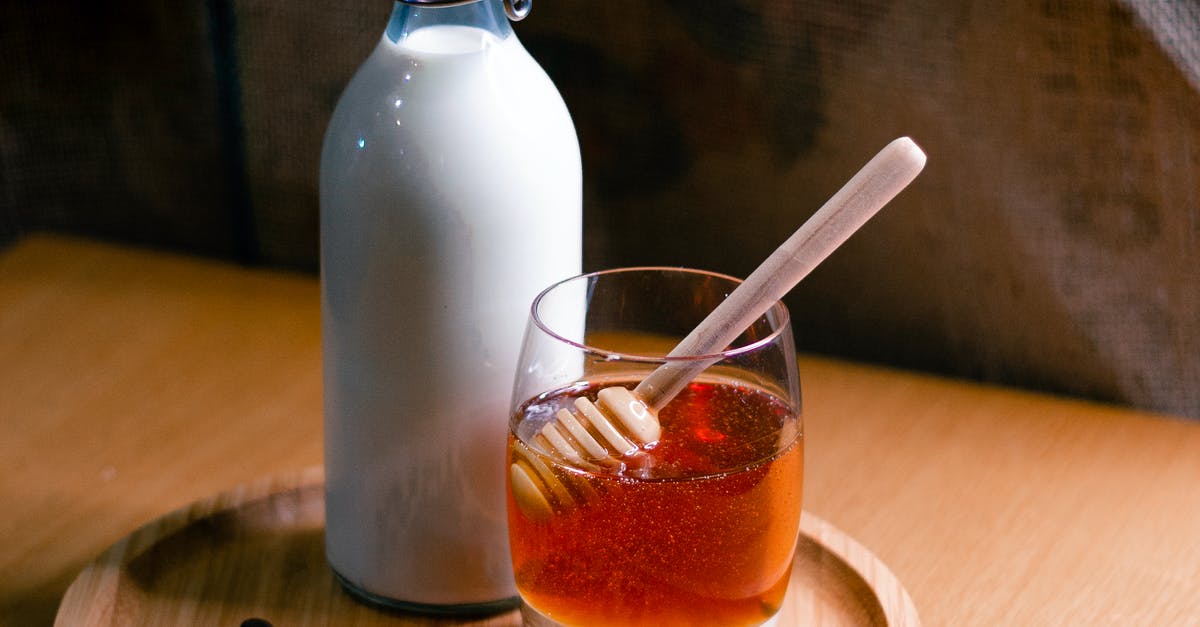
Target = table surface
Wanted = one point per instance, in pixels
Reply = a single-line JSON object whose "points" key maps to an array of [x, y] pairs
{"points": [[134, 382]]}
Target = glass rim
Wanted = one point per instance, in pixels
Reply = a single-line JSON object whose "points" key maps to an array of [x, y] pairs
{"points": [[781, 323]]}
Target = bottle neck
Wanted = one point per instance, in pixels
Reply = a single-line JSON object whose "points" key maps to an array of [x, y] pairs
{"points": [[485, 14]]}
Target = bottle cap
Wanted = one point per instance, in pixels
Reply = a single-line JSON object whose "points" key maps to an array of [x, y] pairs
{"points": [[516, 9]]}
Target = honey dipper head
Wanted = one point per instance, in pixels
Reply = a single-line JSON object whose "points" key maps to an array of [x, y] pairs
{"points": [[640, 422]]}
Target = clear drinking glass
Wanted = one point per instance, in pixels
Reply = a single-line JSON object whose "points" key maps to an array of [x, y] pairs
{"points": [[698, 528]]}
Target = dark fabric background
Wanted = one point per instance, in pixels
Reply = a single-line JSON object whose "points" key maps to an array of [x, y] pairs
{"points": [[1052, 243]]}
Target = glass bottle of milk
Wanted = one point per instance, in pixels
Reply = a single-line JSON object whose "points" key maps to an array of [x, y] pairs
{"points": [[450, 195]]}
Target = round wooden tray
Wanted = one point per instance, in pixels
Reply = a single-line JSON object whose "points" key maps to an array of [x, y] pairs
{"points": [[257, 552]]}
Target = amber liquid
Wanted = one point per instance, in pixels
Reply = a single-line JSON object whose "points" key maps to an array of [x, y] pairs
{"points": [[701, 530]]}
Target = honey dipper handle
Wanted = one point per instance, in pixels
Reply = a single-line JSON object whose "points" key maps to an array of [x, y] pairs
{"points": [[861, 197]]}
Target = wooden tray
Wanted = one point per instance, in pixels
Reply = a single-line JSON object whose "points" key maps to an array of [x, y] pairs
{"points": [[257, 552]]}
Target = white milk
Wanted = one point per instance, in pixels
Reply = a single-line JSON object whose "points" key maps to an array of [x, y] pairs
{"points": [[450, 195]]}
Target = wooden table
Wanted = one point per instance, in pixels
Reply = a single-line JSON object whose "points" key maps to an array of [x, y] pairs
{"points": [[134, 382]]}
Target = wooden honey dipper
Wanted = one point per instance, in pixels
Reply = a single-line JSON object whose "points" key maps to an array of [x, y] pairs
{"points": [[622, 421]]}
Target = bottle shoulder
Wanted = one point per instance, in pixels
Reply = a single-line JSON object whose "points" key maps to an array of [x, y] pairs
{"points": [[429, 62], [399, 94]]}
